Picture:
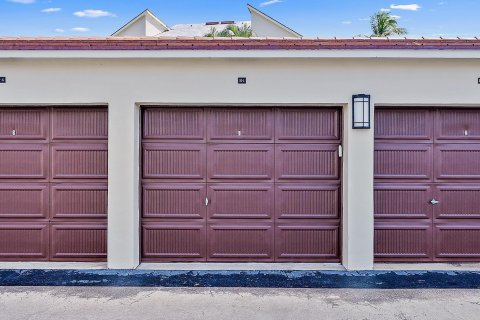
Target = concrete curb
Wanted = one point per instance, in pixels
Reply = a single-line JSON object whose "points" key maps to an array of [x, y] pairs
{"points": [[248, 279]]}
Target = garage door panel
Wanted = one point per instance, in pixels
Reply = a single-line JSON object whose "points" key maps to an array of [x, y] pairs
{"points": [[32, 202], [79, 161], [451, 165], [240, 125], [458, 201], [79, 241], [403, 241], [174, 124], [23, 161], [172, 241], [394, 201], [457, 162], [79, 123], [307, 201], [240, 242], [458, 240], [24, 201], [27, 241], [241, 201], [174, 161], [240, 162], [403, 124], [308, 241], [307, 162], [23, 124], [87, 201], [303, 124], [458, 125], [403, 161], [174, 201]]}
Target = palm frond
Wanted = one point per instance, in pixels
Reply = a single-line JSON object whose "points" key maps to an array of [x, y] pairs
{"points": [[212, 33], [243, 31], [384, 25]]}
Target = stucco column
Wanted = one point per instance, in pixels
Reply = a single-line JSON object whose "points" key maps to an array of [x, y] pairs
{"points": [[123, 185], [358, 195]]}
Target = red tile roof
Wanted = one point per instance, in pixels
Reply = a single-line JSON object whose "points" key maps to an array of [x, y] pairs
{"points": [[115, 43]]}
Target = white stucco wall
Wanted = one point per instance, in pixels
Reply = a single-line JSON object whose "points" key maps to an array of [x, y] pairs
{"points": [[124, 84], [152, 27], [136, 29], [264, 27]]}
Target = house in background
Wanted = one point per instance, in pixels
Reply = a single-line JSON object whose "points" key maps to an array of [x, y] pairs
{"points": [[148, 24]]}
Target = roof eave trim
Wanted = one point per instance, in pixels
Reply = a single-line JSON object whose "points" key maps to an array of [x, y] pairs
{"points": [[242, 54]]}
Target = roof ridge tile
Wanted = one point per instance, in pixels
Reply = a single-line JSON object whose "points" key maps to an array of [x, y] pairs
{"points": [[233, 43]]}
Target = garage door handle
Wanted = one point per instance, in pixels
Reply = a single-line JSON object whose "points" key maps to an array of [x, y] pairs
{"points": [[434, 202]]}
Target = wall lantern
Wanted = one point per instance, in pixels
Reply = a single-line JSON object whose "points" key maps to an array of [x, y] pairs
{"points": [[361, 111]]}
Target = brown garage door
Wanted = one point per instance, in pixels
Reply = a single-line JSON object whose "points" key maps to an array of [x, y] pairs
{"points": [[53, 184], [233, 184], [427, 185]]}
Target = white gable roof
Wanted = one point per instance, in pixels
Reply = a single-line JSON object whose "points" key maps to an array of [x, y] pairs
{"points": [[146, 24], [265, 26]]}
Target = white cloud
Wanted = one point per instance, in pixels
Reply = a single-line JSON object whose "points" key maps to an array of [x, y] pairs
{"points": [[441, 3], [59, 30], [50, 10], [269, 3], [395, 17], [364, 19], [347, 22], [409, 7], [80, 29], [90, 13], [385, 10], [23, 1]]}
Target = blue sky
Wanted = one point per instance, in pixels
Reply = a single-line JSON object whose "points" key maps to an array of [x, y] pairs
{"points": [[342, 18]]}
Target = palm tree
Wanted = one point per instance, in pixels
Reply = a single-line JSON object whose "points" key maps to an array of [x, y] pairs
{"points": [[212, 33], [384, 25], [244, 31]]}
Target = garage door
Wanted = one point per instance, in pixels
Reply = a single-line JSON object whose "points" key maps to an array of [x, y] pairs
{"points": [[53, 184], [427, 185], [233, 184]]}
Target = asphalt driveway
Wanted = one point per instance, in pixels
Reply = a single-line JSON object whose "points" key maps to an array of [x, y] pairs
{"points": [[72, 303]]}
